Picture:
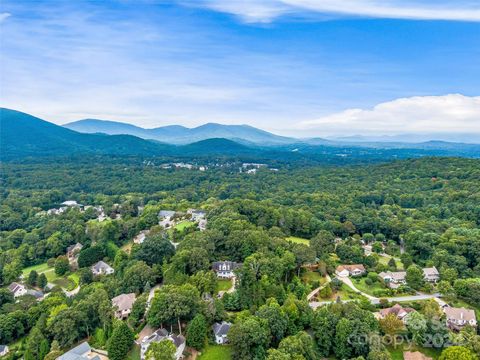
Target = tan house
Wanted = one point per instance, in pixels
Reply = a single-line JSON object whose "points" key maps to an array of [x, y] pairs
{"points": [[393, 279], [431, 274], [398, 310], [457, 318], [123, 305], [350, 270]]}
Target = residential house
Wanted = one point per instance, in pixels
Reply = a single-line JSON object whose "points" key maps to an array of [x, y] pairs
{"points": [[431, 274], [166, 218], [17, 289], [3, 350], [350, 270], [123, 305], [415, 355], [398, 310], [162, 335], [224, 269], [82, 352], [39, 295], [202, 224], [140, 238], [71, 203], [102, 268], [197, 215], [457, 318], [393, 279], [72, 253], [221, 330]]}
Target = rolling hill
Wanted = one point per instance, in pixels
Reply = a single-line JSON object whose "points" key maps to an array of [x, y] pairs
{"points": [[176, 134]]}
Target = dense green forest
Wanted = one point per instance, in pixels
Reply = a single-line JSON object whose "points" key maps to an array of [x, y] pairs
{"points": [[415, 213]]}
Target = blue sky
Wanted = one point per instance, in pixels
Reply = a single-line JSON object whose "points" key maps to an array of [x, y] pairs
{"points": [[299, 67]]}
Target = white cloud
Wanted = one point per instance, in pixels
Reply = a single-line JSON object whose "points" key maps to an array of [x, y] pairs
{"points": [[268, 10], [452, 113], [4, 16]]}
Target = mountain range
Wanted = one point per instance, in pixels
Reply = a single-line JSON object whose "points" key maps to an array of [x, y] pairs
{"points": [[23, 135], [180, 135]]}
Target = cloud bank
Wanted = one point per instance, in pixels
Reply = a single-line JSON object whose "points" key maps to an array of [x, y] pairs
{"points": [[268, 10], [452, 113]]}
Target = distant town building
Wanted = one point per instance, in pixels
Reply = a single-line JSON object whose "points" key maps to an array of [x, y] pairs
{"points": [[457, 318], [225, 269], [123, 305], [221, 331], [102, 268], [350, 270], [17, 289]]}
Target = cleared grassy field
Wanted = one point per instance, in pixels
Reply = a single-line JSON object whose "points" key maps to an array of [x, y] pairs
{"points": [[216, 352], [312, 276], [134, 353], [368, 289], [298, 240], [385, 259], [183, 224], [40, 268], [397, 353]]}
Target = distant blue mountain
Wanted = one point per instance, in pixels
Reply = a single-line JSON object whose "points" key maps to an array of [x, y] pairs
{"points": [[175, 134]]}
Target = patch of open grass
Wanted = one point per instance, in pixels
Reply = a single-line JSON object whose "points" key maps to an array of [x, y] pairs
{"points": [[40, 268], [224, 284], [216, 352], [385, 259], [397, 352], [298, 240], [183, 225], [134, 353], [313, 276], [360, 284]]}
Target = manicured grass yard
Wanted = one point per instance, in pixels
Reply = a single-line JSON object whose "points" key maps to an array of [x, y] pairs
{"points": [[397, 353], [224, 285], [40, 268], [216, 352], [183, 224], [368, 289], [298, 240], [385, 259]]}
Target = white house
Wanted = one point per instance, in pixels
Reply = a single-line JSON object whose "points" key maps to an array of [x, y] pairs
{"points": [[457, 318], [224, 269], [123, 305], [166, 218], [393, 279], [102, 268], [221, 330], [202, 224], [80, 352], [350, 270], [140, 238], [3, 350], [17, 289], [197, 215], [162, 335]]}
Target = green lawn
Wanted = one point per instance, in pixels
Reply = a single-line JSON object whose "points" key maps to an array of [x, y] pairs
{"points": [[183, 224], [224, 284], [298, 240], [368, 289], [385, 259], [216, 352], [40, 268], [397, 353], [134, 354], [345, 293], [312, 276]]}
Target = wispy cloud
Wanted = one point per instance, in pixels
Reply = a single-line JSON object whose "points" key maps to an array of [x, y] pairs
{"points": [[4, 16], [448, 113], [267, 10]]}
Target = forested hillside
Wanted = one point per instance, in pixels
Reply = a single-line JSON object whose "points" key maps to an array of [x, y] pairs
{"points": [[286, 227]]}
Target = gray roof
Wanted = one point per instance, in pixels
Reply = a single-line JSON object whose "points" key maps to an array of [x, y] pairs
{"points": [[36, 293], [166, 213], [101, 265], [14, 286], [220, 329], [177, 340], [431, 272], [3, 347], [76, 353], [230, 265]]}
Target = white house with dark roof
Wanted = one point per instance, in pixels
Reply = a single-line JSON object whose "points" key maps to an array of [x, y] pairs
{"points": [[123, 305], [225, 269], [3, 350], [17, 289], [393, 279], [220, 331], [162, 335], [197, 215], [102, 268], [166, 218]]}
